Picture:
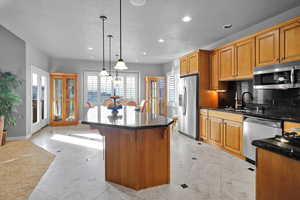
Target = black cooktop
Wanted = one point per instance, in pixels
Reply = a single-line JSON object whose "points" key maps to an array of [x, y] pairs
{"points": [[284, 145]]}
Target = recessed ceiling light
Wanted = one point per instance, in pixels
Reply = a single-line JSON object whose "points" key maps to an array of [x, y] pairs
{"points": [[144, 53], [227, 26], [90, 48], [186, 19], [138, 2], [161, 40]]}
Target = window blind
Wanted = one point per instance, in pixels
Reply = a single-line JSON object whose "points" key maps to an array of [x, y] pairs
{"points": [[92, 88], [171, 88], [99, 89]]}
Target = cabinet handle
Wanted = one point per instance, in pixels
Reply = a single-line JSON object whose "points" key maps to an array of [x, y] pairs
{"points": [[278, 59]]}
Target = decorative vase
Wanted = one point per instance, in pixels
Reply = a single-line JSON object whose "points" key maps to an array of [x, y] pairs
{"points": [[2, 132]]}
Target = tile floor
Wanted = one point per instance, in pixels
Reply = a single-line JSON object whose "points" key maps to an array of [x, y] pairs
{"points": [[77, 173]]}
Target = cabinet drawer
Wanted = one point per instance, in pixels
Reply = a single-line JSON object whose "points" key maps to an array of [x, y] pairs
{"points": [[288, 125], [225, 115], [204, 112]]}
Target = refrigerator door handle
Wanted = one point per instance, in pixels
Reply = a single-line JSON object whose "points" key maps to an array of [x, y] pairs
{"points": [[185, 101]]}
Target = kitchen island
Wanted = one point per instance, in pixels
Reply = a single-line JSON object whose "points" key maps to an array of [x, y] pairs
{"points": [[137, 146]]}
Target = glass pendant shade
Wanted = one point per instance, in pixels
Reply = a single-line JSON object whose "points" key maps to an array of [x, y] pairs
{"points": [[104, 73], [121, 65], [117, 82]]}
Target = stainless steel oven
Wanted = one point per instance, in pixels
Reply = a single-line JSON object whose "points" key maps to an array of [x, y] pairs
{"points": [[278, 76]]}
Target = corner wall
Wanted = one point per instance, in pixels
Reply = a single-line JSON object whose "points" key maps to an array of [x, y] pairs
{"points": [[13, 59]]}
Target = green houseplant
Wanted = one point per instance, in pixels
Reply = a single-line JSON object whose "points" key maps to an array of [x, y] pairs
{"points": [[9, 99]]}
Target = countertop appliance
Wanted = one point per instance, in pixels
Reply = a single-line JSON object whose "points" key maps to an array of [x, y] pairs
{"points": [[188, 104], [277, 76], [255, 128]]}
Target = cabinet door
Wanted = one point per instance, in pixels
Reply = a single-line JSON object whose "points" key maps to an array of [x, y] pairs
{"points": [[233, 137], [227, 63], [290, 42], [214, 71], [267, 48], [184, 67], [203, 128], [215, 131], [193, 62], [245, 58]]}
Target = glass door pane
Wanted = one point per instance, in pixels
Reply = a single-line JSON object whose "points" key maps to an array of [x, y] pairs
{"points": [[35, 95], [70, 106], [57, 99], [161, 89], [70, 110], [43, 97]]}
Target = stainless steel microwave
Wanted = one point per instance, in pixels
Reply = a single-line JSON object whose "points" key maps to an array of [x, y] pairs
{"points": [[279, 76]]}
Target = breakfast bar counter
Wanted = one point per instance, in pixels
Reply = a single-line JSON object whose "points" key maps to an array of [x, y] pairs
{"points": [[137, 146]]}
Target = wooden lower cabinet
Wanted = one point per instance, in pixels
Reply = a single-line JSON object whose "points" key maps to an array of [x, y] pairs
{"points": [[277, 176], [215, 131], [222, 130], [233, 137], [203, 122]]}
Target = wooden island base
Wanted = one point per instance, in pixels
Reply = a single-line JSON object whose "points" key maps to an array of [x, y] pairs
{"points": [[137, 158]]}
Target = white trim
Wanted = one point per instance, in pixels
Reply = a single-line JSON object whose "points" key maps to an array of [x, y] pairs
{"points": [[40, 124], [18, 138]]}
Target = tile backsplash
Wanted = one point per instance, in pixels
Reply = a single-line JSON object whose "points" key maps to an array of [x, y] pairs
{"points": [[275, 101]]}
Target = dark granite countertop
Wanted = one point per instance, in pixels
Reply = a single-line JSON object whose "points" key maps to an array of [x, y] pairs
{"points": [[127, 118], [266, 115], [281, 147]]}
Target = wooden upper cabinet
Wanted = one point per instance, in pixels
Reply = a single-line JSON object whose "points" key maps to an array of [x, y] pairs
{"points": [[267, 48], [214, 70], [184, 66], [227, 63], [193, 62], [216, 130], [233, 137], [245, 58], [290, 42]]}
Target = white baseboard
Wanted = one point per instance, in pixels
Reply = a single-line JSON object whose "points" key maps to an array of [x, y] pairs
{"points": [[17, 138]]}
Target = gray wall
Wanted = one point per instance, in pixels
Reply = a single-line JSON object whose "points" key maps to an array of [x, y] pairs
{"points": [[12, 59], [81, 66], [294, 12]]}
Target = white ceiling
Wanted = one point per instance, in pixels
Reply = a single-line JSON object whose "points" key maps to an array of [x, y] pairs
{"points": [[66, 28]]}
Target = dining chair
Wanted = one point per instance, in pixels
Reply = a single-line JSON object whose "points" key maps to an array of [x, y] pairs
{"points": [[143, 105], [131, 103]]}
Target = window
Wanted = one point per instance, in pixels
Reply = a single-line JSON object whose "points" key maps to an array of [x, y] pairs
{"points": [[98, 89], [171, 89]]}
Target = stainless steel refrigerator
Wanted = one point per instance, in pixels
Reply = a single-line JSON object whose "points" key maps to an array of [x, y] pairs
{"points": [[188, 105]]}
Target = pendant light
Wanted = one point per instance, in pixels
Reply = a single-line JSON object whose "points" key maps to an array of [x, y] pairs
{"points": [[121, 64], [110, 67], [103, 72], [117, 79]]}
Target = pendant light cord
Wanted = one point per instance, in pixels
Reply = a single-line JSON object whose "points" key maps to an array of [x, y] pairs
{"points": [[120, 29], [103, 54], [110, 68]]}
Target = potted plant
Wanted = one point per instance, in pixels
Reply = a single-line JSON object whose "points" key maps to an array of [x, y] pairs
{"points": [[9, 99]]}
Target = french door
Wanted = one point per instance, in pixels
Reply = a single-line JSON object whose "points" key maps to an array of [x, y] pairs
{"points": [[39, 99]]}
